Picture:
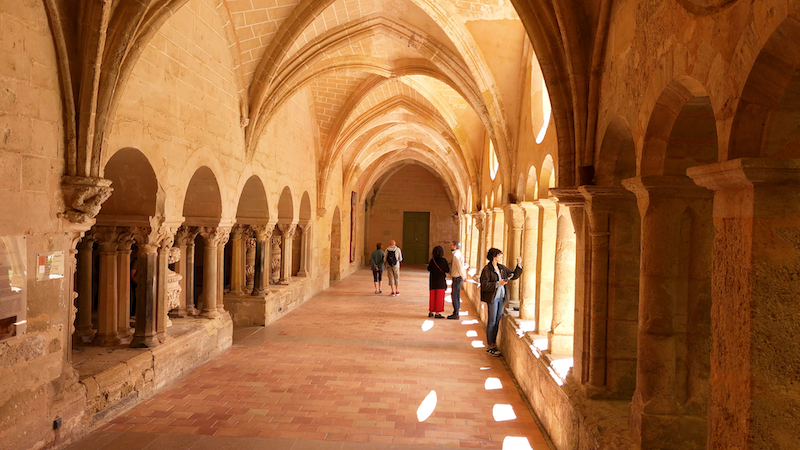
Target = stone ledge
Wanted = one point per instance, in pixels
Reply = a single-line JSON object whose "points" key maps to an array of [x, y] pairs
{"points": [[248, 311], [118, 379]]}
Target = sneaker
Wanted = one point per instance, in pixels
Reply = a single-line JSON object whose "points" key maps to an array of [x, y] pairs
{"points": [[391, 294], [438, 316], [453, 317], [377, 292], [494, 351], [380, 292], [397, 293]]}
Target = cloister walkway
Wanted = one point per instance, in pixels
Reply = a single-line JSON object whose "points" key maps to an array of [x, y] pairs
{"points": [[347, 370]]}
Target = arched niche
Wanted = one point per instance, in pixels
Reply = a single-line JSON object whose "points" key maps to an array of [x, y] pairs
{"points": [[682, 131], [336, 246], [616, 158], [253, 208], [136, 189], [203, 202], [547, 179], [532, 187], [286, 206], [305, 208], [767, 121]]}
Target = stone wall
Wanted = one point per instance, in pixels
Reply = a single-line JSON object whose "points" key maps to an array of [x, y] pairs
{"points": [[412, 188]]}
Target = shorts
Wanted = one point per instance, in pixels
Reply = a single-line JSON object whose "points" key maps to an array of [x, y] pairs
{"points": [[377, 275], [394, 275]]}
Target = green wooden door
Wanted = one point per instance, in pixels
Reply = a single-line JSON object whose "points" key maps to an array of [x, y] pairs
{"points": [[416, 227]]}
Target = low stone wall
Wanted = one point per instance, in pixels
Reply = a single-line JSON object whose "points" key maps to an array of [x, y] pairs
{"points": [[115, 380], [247, 311], [570, 419]]}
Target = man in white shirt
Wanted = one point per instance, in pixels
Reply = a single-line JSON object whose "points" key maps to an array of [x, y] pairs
{"points": [[458, 273]]}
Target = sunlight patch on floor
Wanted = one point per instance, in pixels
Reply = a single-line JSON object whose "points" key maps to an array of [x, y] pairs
{"points": [[426, 407]]}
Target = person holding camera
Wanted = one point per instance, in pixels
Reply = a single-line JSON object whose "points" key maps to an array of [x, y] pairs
{"points": [[494, 278]]}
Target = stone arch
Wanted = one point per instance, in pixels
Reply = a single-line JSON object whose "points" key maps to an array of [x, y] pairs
{"points": [[532, 187], [305, 208], [681, 132], [253, 207], [616, 157], [336, 246], [202, 205], [137, 193], [286, 206], [547, 179], [767, 121]]}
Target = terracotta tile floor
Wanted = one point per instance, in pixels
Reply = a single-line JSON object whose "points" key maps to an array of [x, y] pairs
{"points": [[346, 370]]}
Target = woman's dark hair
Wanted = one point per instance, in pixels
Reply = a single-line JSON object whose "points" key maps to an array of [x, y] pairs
{"points": [[438, 251], [492, 253]]}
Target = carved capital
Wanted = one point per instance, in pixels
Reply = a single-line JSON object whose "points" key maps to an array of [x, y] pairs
{"points": [[288, 230], [215, 236], [250, 243], [185, 235], [126, 238], [263, 232], [174, 255], [238, 231], [108, 238], [83, 197], [321, 212]]}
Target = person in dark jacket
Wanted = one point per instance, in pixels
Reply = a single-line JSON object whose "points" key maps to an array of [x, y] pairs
{"points": [[439, 269], [494, 278], [376, 258]]}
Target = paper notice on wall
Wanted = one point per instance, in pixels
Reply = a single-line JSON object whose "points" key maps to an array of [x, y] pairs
{"points": [[13, 286], [49, 266]]}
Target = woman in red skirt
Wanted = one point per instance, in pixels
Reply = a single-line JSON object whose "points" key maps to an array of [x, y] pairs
{"points": [[438, 282]]}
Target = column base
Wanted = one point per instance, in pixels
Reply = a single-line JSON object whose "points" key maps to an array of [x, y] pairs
{"points": [[145, 342], [560, 344], [258, 293], [124, 333], [210, 313], [668, 431], [107, 340], [81, 333], [180, 312], [302, 273]]}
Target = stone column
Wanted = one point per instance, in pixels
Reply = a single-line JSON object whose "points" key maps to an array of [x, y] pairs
{"points": [[305, 249], [212, 237], [287, 233], [546, 266], [499, 232], [561, 337], [183, 239], [478, 252], [530, 252], [250, 266], [237, 261], [83, 327], [221, 270], [188, 277], [124, 284], [162, 308], [515, 217], [107, 287], [275, 259], [262, 266], [607, 357], [755, 359], [145, 334], [674, 308]]}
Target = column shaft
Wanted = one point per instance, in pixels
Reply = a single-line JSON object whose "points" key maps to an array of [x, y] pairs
{"points": [[107, 294], [124, 293], [83, 326], [145, 334], [530, 251], [188, 279]]}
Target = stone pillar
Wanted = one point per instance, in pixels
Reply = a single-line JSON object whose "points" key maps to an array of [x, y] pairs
{"points": [[305, 249], [188, 277], [262, 265], [499, 232], [145, 334], [561, 338], [237, 261], [674, 309], [530, 253], [755, 359], [515, 216], [221, 269], [185, 267], [275, 259], [212, 237], [83, 327], [124, 284], [287, 233], [250, 265], [162, 308], [546, 266], [107, 287]]}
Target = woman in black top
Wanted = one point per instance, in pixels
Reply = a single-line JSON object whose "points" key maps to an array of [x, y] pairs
{"points": [[438, 282], [494, 278]]}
